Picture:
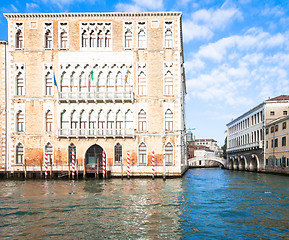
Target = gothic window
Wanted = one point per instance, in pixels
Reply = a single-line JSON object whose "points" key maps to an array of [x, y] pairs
{"points": [[142, 154], [128, 39], [19, 84], [142, 121], [142, 84], [73, 83], [108, 39], [92, 120], [19, 39], [48, 36], [48, 84], [101, 123], [169, 154], [82, 83], [49, 153], [110, 123], [92, 39], [64, 123], [119, 123], [73, 123], [110, 85], [20, 121], [19, 154], [101, 83], [64, 83], [119, 83], [129, 122], [168, 82], [84, 38], [100, 39], [168, 32], [71, 148], [169, 121], [82, 122], [141, 39], [48, 121], [117, 154], [63, 35]]}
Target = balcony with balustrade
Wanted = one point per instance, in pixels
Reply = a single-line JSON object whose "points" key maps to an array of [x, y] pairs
{"points": [[96, 133]]}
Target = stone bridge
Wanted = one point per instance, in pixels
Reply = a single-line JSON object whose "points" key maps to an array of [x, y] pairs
{"points": [[194, 161]]}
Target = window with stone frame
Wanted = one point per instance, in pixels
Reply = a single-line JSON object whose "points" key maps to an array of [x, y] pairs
{"points": [[142, 84], [82, 123], [169, 120], [101, 123], [19, 154], [284, 125], [48, 35], [276, 142], [283, 141], [272, 129], [63, 35], [142, 35], [128, 122], [142, 154], [49, 153], [168, 34], [107, 39], [92, 121], [84, 39], [20, 121], [110, 123], [19, 37], [64, 123], [128, 35], [142, 121], [276, 128], [168, 82], [169, 154], [20, 84], [48, 121], [49, 84], [73, 123], [92, 39], [117, 154]]}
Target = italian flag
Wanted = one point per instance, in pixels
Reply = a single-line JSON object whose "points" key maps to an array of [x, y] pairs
{"points": [[90, 78]]}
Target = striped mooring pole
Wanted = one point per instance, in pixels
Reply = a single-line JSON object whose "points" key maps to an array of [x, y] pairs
{"points": [[103, 164], [128, 164], [45, 164], [153, 165], [73, 164]]}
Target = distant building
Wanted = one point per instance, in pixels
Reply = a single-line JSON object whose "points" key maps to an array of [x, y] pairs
{"points": [[245, 135], [210, 143], [120, 89]]}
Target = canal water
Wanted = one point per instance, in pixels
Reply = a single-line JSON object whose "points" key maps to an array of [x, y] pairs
{"points": [[204, 204]]}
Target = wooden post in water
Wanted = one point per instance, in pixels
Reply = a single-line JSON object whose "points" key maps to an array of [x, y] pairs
{"points": [[121, 168], [153, 165], [25, 172], [128, 165], [50, 169], [77, 169], [97, 167], [164, 168], [84, 169], [41, 174], [68, 168]]}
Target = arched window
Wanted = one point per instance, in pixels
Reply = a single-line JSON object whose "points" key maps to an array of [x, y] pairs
{"points": [[128, 39], [117, 154], [71, 148], [110, 123], [82, 122], [19, 39], [48, 39], [19, 154], [100, 39], [92, 39], [63, 40], [119, 83], [49, 152], [73, 123], [141, 39], [19, 84], [168, 38], [20, 121], [142, 121], [169, 120], [101, 83], [101, 123], [119, 123], [108, 39], [82, 82], [92, 123], [169, 154], [168, 82], [64, 83], [64, 123], [84, 38], [142, 154], [48, 84], [142, 84], [129, 128], [110, 85], [48, 121]]}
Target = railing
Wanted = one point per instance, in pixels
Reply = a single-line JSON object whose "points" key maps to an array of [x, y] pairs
{"points": [[96, 96], [96, 133]]}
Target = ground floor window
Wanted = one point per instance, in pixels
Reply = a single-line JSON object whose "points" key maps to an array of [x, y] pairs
{"points": [[19, 153], [117, 154]]}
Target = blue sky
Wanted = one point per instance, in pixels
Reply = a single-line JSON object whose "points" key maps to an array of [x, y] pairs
{"points": [[236, 52]]}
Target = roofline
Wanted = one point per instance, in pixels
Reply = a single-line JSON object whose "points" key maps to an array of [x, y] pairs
{"points": [[246, 113], [10, 16]]}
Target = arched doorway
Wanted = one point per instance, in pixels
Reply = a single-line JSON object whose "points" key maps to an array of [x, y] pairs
{"points": [[93, 157], [254, 163], [235, 164], [230, 163], [242, 163]]}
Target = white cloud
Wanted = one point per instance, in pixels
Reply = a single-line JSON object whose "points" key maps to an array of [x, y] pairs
{"points": [[10, 9], [140, 5], [30, 7], [203, 23], [276, 11]]}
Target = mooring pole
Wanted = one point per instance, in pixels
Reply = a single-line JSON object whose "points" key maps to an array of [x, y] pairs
{"points": [[164, 168], [128, 165], [121, 168], [153, 165], [25, 173]]}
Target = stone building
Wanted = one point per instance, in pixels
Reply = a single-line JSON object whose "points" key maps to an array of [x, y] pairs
{"points": [[245, 135], [94, 83]]}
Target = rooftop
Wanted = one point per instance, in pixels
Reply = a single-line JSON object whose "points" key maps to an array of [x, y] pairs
{"points": [[278, 98]]}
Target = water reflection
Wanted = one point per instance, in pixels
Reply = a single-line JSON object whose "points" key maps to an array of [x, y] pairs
{"points": [[205, 204]]}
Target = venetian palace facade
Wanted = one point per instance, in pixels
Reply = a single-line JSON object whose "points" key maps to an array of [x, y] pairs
{"points": [[93, 83]]}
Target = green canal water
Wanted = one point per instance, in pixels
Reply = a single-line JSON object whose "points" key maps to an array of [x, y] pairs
{"points": [[204, 204]]}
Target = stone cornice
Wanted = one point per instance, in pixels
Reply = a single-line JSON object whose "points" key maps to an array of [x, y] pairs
{"points": [[2, 42], [22, 16]]}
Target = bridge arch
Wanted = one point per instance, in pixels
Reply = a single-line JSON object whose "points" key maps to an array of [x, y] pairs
{"points": [[242, 163], [230, 163], [235, 163], [254, 163]]}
